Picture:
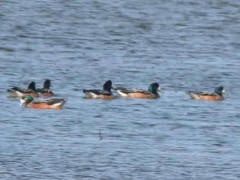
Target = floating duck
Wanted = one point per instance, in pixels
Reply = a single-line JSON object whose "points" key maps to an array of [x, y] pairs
{"points": [[45, 91], [51, 103], [206, 95], [105, 93], [152, 91], [19, 92]]}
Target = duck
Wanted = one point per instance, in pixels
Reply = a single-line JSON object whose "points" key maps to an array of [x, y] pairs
{"points": [[106, 93], [45, 90], [206, 95], [152, 91], [19, 92], [50, 103]]}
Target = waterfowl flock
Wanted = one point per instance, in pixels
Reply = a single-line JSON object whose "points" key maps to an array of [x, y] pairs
{"points": [[27, 95], [31, 90]]}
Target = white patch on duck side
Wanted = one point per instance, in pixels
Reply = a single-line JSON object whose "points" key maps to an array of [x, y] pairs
{"points": [[122, 94], [19, 94], [58, 105], [93, 95], [194, 96]]}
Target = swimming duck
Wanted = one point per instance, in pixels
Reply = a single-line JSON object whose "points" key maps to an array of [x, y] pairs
{"points": [[45, 91], [105, 93], [51, 103], [206, 95], [19, 92], [139, 93]]}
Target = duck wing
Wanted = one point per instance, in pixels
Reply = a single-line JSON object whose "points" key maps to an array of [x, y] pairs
{"points": [[43, 90], [17, 89], [49, 101], [130, 90], [202, 93], [97, 92], [13, 89]]}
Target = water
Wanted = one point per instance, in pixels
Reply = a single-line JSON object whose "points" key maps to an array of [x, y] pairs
{"points": [[183, 45]]}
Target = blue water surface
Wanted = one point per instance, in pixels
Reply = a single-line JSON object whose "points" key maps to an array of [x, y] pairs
{"points": [[182, 45]]}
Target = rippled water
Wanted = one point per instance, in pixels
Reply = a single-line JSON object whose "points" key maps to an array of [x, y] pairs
{"points": [[183, 45]]}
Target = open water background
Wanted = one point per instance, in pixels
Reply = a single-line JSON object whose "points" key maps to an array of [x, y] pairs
{"points": [[183, 45]]}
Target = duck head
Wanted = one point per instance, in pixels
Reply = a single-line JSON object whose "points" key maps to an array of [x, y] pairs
{"points": [[47, 84], [32, 86], [219, 90], [107, 86], [25, 100], [153, 88]]}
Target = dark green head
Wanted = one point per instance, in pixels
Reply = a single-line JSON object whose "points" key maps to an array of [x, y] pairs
{"points": [[26, 99], [153, 88], [107, 86], [219, 90], [32, 86]]}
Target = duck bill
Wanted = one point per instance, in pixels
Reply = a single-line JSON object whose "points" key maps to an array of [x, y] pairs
{"points": [[22, 103], [160, 90]]}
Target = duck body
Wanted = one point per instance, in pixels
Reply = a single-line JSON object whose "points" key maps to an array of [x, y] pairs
{"points": [[50, 103], [95, 93], [19, 92], [139, 93], [45, 91], [206, 95], [103, 94]]}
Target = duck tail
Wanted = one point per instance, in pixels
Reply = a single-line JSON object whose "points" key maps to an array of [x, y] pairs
{"points": [[13, 89]]}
